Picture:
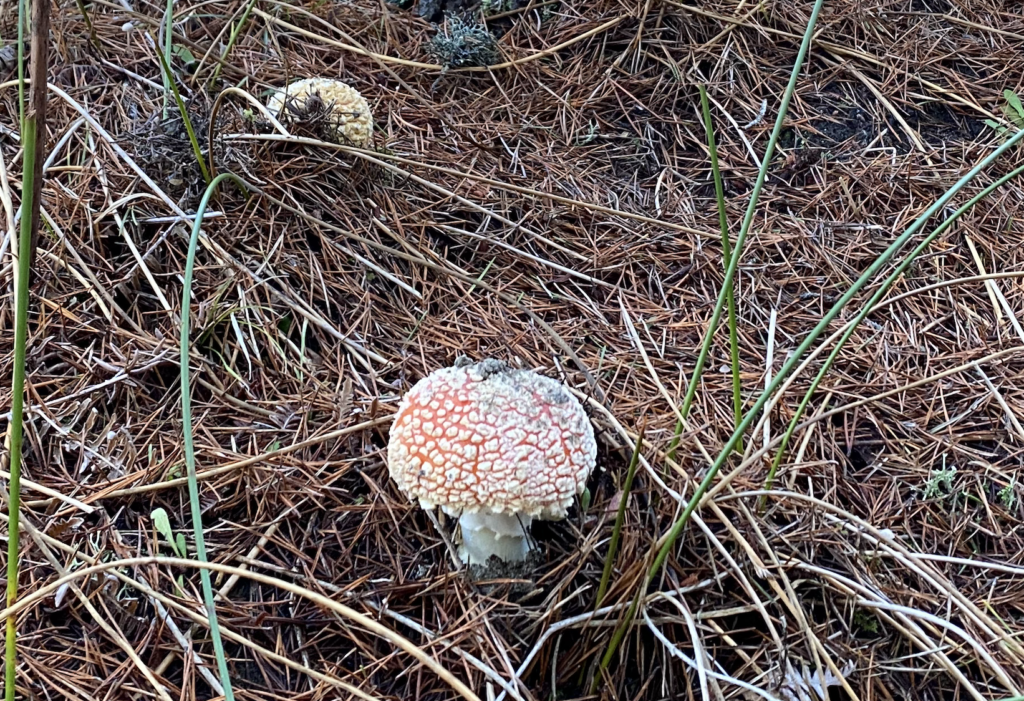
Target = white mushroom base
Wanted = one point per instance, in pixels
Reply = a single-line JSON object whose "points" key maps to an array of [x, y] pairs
{"points": [[485, 534]]}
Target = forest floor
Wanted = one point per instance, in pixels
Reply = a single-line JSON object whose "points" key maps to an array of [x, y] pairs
{"points": [[556, 211]]}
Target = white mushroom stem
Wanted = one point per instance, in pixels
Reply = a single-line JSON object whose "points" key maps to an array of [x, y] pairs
{"points": [[485, 534]]}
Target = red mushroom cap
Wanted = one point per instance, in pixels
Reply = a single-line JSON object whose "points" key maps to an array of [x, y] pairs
{"points": [[485, 437]]}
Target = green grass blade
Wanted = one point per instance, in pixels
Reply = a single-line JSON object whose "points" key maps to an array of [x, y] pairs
{"points": [[88, 24], [184, 116], [168, 78], [235, 31], [748, 220], [1013, 100], [28, 140], [186, 423], [620, 632], [22, 20], [723, 223], [33, 124], [620, 517], [889, 282], [788, 367], [794, 359], [617, 637]]}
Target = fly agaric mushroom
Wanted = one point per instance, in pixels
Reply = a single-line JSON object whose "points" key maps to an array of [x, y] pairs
{"points": [[350, 118], [496, 447]]}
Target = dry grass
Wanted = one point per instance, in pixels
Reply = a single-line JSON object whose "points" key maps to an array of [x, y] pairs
{"points": [[519, 225]]}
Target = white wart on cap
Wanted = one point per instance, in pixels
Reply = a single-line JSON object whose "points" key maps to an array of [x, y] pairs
{"points": [[495, 446]]}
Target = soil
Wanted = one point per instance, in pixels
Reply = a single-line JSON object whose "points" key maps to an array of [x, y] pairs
{"points": [[853, 121]]}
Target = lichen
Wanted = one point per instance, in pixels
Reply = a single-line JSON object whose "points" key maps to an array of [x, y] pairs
{"points": [[463, 44]]}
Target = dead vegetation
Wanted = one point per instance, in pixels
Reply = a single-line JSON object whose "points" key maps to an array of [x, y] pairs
{"points": [[524, 212]]}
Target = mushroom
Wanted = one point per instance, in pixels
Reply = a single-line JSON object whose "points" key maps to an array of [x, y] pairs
{"points": [[350, 116], [496, 447]]}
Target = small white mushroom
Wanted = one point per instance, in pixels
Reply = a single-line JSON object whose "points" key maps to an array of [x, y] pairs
{"points": [[351, 120], [494, 446]]}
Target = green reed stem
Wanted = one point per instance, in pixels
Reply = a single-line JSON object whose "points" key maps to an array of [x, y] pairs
{"points": [[784, 373], [748, 220], [168, 78], [235, 31], [619, 635], [88, 24], [28, 140], [620, 517], [723, 224], [184, 117], [33, 124], [186, 422], [889, 282], [794, 359]]}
